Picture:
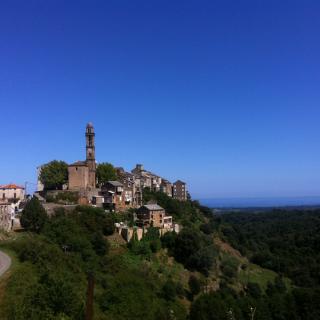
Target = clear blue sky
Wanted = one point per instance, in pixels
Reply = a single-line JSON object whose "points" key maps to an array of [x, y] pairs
{"points": [[222, 94]]}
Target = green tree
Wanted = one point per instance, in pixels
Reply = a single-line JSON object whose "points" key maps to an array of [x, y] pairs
{"points": [[194, 285], [33, 216], [106, 172], [54, 175], [169, 290]]}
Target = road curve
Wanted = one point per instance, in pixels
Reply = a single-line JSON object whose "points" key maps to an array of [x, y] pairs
{"points": [[5, 263]]}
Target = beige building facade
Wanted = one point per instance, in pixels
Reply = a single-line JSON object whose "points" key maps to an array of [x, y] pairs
{"points": [[179, 190], [6, 216], [11, 192]]}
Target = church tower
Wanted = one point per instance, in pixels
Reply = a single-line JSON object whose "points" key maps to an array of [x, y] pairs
{"points": [[90, 155]]}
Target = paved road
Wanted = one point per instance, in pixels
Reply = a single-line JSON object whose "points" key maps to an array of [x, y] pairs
{"points": [[5, 263]]}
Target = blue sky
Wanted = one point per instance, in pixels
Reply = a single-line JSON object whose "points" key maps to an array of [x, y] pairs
{"points": [[222, 94]]}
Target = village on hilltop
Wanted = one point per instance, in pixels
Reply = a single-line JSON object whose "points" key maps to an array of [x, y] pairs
{"points": [[83, 187]]}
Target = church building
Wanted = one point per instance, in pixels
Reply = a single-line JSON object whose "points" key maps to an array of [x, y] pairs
{"points": [[82, 174]]}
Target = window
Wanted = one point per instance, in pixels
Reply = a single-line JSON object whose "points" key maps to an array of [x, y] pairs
{"points": [[15, 196], [3, 196]]}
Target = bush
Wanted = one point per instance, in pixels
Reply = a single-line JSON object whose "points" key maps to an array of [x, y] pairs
{"points": [[229, 267], [169, 290], [69, 197], [33, 216], [194, 285], [254, 290], [194, 250], [168, 240], [140, 247]]}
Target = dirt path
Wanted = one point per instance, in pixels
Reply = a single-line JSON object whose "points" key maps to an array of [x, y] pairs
{"points": [[226, 247]]}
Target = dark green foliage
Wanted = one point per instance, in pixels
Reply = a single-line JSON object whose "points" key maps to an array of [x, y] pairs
{"points": [[57, 262], [64, 197], [108, 226], [227, 304], [168, 240], [229, 267], [140, 247], [33, 216], [169, 290], [254, 290], [106, 172], [80, 233], [194, 285], [69, 235], [207, 228], [287, 242], [209, 307], [153, 236], [54, 175], [95, 220], [192, 249], [186, 212], [132, 295], [284, 241], [99, 244], [47, 285]]}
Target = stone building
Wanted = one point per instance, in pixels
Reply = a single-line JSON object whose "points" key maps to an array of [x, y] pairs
{"points": [[6, 216], [150, 215], [82, 174], [11, 192], [179, 190], [166, 187], [113, 194], [129, 187]]}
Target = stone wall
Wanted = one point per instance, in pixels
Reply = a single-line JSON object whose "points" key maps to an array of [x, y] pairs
{"points": [[78, 177]]}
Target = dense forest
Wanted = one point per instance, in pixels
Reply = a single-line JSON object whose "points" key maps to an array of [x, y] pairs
{"points": [[235, 266], [287, 242]]}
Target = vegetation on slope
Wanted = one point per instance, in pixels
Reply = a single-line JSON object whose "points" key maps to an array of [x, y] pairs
{"points": [[190, 275]]}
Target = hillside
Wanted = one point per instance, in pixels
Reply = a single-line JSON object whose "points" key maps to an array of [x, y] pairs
{"points": [[204, 272]]}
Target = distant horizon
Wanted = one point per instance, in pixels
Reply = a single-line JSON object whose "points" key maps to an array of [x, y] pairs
{"points": [[263, 202]]}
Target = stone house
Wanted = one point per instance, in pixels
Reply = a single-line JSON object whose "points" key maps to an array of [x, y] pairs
{"points": [[128, 181], [11, 193], [146, 179], [152, 215], [179, 190], [6, 216], [113, 193], [166, 187]]}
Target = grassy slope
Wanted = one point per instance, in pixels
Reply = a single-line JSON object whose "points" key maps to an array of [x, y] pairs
{"points": [[251, 272]]}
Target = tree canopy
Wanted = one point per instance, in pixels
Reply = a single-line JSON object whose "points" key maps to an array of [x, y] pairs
{"points": [[54, 175], [33, 216], [106, 172]]}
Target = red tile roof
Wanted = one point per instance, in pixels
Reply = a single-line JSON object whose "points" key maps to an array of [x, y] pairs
{"points": [[10, 186]]}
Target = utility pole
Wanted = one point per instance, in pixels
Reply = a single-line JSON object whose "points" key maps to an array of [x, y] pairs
{"points": [[25, 189], [90, 292]]}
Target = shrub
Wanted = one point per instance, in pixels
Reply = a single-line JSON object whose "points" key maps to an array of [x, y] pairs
{"points": [[194, 285], [33, 216]]}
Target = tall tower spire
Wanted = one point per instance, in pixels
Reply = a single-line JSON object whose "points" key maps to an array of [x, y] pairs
{"points": [[90, 154]]}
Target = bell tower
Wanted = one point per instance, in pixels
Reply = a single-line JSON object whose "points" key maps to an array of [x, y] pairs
{"points": [[90, 154]]}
